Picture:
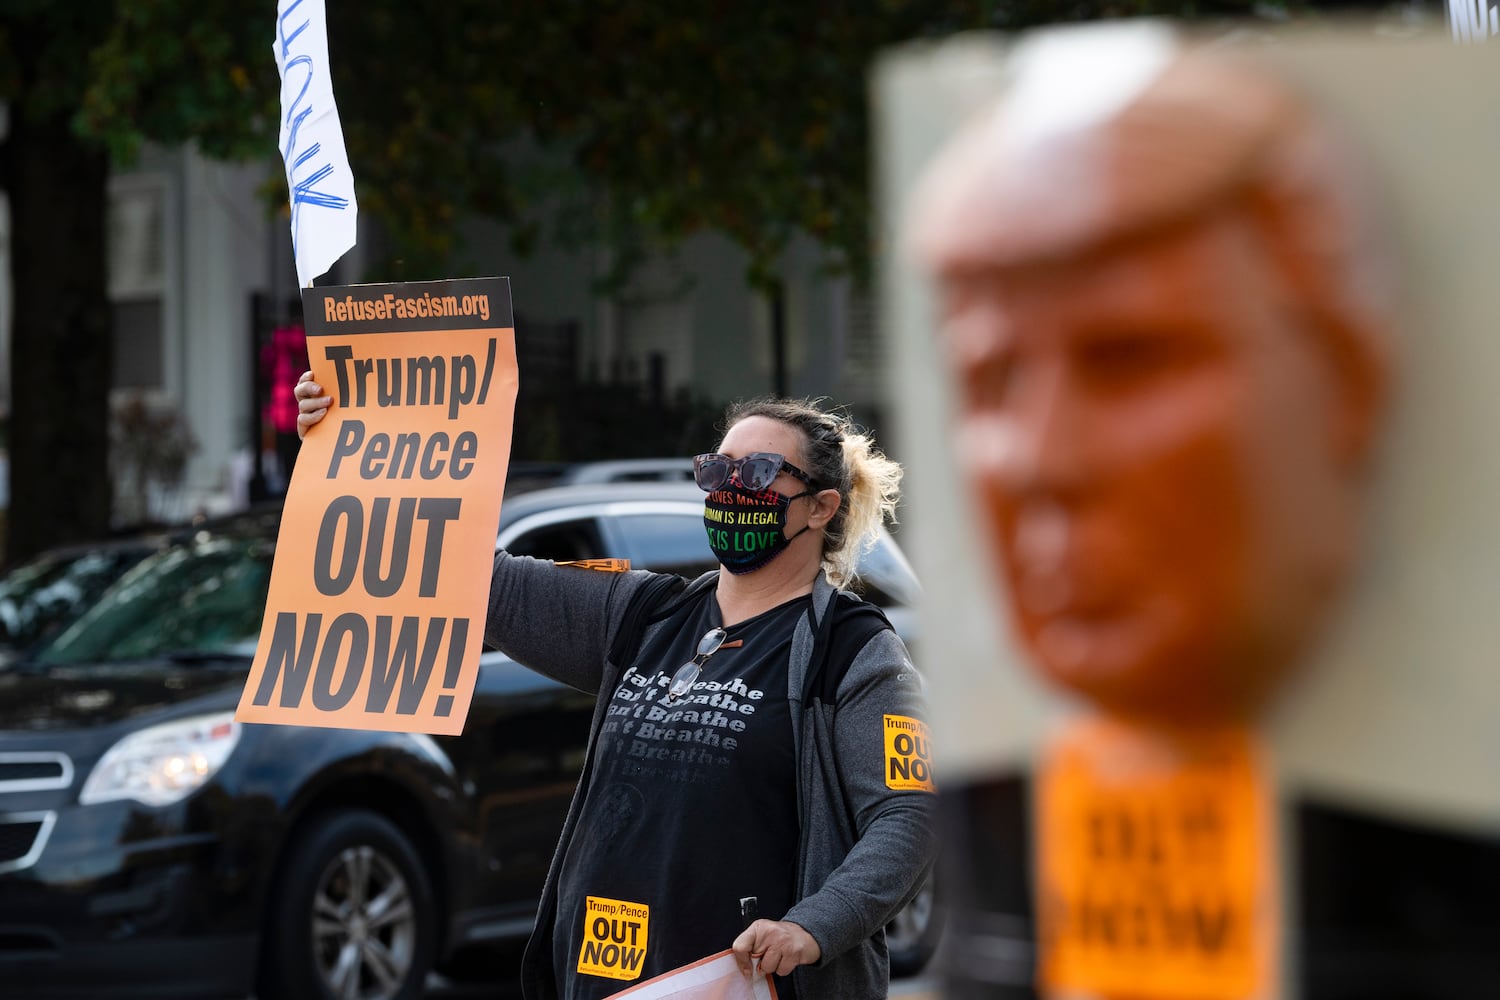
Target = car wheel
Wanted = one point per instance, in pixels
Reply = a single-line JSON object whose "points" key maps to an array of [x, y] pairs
{"points": [[912, 935], [352, 916]]}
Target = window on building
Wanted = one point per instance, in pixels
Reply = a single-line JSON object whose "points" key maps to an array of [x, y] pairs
{"points": [[137, 280]]}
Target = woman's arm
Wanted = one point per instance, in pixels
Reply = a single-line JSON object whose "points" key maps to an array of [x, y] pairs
{"points": [[882, 691], [557, 620]]}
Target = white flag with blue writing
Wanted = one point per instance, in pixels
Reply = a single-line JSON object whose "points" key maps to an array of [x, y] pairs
{"points": [[320, 186], [1473, 20]]}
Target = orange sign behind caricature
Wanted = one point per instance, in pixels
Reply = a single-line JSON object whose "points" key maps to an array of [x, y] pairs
{"points": [[1165, 325]]}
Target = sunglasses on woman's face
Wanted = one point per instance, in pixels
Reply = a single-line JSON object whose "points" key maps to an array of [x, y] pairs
{"points": [[755, 471]]}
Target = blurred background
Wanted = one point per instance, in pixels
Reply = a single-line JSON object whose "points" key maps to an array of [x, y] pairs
{"points": [[679, 196], [682, 198]]}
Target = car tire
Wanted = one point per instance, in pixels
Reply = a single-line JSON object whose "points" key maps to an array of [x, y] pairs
{"points": [[912, 935], [352, 915]]}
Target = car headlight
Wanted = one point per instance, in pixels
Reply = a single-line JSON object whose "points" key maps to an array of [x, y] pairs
{"points": [[165, 763]]}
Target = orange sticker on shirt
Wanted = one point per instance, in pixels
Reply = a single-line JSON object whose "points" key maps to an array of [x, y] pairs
{"points": [[908, 754], [1155, 866], [614, 938]]}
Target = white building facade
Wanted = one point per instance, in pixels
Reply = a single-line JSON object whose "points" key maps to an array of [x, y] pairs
{"points": [[193, 248]]}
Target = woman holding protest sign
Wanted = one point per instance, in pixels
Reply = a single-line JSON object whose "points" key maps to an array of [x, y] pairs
{"points": [[759, 739]]}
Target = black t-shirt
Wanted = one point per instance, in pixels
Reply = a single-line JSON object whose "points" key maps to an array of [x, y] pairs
{"points": [[692, 806]]}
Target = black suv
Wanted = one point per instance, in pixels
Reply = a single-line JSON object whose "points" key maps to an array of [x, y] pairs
{"points": [[151, 846]]}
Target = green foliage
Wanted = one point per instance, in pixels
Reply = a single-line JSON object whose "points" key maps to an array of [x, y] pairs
{"points": [[670, 119], [170, 71], [745, 118], [41, 47]]}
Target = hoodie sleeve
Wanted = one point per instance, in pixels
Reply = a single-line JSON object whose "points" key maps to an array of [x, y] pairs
{"points": [[883, 759], [558, 620]]}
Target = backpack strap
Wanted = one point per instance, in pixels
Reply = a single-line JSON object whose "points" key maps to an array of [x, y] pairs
{"points": [[847, 627], [656, 600]]}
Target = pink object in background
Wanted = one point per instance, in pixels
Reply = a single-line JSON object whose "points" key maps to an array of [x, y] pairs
{"points": [[282, 361]]}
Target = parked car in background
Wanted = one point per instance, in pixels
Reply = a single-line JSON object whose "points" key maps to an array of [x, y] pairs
{"points": [[41, 596], [151, 846], [630, 470], [526, 476]]}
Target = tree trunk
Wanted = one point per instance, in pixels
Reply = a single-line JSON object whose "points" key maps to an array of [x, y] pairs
{"points": [[777, 301], [60, 336]]}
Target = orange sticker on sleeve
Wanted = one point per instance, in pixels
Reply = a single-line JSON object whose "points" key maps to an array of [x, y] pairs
{"points": [[908, 754], [603, 565]]}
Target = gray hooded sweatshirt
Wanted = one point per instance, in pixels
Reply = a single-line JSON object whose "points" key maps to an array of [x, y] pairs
{"points": [[865, 847]]}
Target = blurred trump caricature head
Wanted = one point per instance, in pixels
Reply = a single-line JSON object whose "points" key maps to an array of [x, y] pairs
{"points": [[1164, 309]]}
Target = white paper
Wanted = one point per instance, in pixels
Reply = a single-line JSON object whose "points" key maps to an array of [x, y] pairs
{"points": [[320, 185], [717, 977]]}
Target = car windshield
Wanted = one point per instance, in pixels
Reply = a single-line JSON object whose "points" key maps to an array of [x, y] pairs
{"points": [[40, 597], [200, 598]]}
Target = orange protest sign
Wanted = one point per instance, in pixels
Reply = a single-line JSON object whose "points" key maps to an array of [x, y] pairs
{"points": [[379, 588], [1155, 866]]}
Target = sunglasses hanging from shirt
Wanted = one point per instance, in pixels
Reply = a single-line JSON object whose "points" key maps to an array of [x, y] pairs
{"points": [[689, 672]]}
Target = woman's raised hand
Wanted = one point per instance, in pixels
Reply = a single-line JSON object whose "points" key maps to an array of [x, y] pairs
{"points": [[311, 403]]}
